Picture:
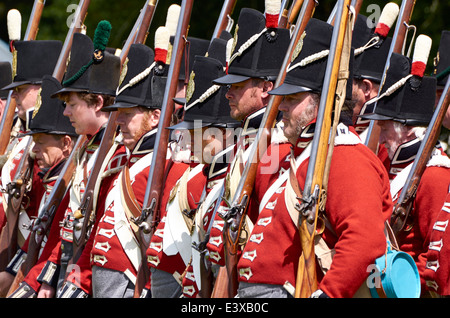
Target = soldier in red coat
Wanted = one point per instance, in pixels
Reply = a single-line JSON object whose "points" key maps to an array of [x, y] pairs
{"points": [[212, 138], [403, 117], [54, 138], [203, 132], [84, 94], [114, 254], [354, 231], [259, 47], [34, 60]]}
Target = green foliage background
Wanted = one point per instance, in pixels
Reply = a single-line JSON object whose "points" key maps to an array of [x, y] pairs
{"points": [[428, 16]]}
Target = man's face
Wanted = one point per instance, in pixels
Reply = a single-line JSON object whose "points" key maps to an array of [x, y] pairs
{"points": [[206, 142], [49, 149], [25, 97], [81, 116], [245, 98], [298, 111], [134, 123], [392, 136]]}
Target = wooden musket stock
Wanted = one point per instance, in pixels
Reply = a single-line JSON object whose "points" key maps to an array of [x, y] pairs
{"points": [[306, 282]]}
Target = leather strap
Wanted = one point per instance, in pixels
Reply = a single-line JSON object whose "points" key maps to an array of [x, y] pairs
{"points": [[131, 202]]}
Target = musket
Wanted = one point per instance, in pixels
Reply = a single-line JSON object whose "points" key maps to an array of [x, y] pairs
{"points": [[35, 17], [356, 4], [16, 192], [235, 215], [224, 17], [206, 287], [293, 12], [10, 108], [85, 215], [398, 39], [406, 198], [42, 223], [149, 218], [14, 20], [17, 188], [283, 18], [306, 281]]}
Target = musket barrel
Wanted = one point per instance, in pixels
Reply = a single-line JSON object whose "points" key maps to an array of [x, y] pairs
{"points": [[155, 179], [407, 195], [33, 23], [227, 9], [80, 15]]}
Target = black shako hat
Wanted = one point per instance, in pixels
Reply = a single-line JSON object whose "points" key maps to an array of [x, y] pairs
{"points": [[194, 46], [87, 73], [442, 60], [142, 86], [371, 51], [33, 60], [48, 113], [258, 49], [205, 103], [306, 72], [411, 103], [5, 78]]}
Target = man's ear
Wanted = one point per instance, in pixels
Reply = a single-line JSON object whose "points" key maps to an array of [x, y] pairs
{"points": [[155, 117], [99, 104], [267, 86], [368, 89], [67, 144]]}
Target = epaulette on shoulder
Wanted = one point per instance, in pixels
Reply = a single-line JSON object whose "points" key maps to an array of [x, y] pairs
{"points": [[438, 160], [345, 137]]}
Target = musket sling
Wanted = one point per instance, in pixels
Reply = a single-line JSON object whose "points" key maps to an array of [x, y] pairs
{"points": [[132, 207]]}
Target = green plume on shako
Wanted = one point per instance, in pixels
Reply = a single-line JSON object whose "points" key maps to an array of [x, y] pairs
{"points": [[100, 41]]}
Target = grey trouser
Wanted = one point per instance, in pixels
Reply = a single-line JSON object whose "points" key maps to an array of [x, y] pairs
{"points": [[107, 283], [247, 290], [164, 285]]}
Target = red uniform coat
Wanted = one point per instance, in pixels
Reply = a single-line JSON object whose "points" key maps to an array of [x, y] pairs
{"points": [[423, 233], [358, 203], [107, 248], [156, 256], [32, 278], [32, 197], [215, 173], [83, 271], [65, 226], [436, 273], [242, 150]]}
